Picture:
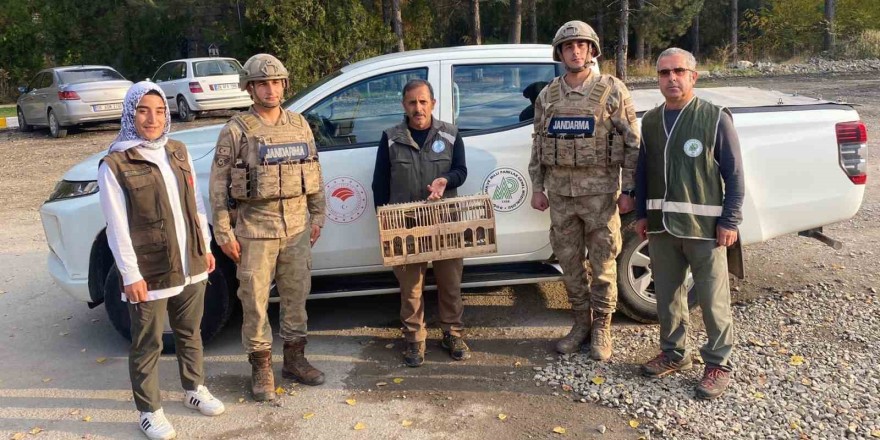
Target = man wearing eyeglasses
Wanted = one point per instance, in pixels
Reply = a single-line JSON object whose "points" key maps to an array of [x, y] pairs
{"points": [[689, 194], [586, 139]]}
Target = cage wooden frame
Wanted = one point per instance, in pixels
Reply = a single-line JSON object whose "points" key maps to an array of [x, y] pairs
{"points": [[428, 231]]}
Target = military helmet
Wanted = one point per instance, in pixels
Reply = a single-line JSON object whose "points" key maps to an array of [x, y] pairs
{"points": [[262, 66], [575, 30]]}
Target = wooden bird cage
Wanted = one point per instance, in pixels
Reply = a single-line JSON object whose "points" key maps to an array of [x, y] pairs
{"points": [[429, 231]]}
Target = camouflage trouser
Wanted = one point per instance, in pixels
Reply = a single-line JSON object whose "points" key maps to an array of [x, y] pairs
{"points": [[580, 224], [289, 261]]}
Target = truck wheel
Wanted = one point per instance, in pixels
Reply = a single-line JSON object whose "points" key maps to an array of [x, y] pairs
{"points": [[218, 308], [184, 112], [635, 280], [55, 128]]}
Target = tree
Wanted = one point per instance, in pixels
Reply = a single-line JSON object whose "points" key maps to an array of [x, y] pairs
{"points": [[734, 29], [533, 20], [623, 36], [476, 33], [829, 25], [397, 24], [695, 36], [639, 29], [515, 21]]}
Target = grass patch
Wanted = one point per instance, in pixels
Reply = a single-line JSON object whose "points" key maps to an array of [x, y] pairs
{"points": [[7, 111]]}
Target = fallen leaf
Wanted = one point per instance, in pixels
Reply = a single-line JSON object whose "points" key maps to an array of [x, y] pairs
{"points": [[101, 360], [389, 346], [757, 343], [633, 423], [397, 380], [806, 382], [308, 415], [36, 430], [598, 380], [358, 426], [279, 391], [381, 384], [74, 412], [782, 351], [559, 430], [796, 360], [566, 387], [875, 433], [351, 402], [406, 423], [758, 395], [502, 416], [795, 426], [241, 400], [47, 380], [17, 436], [87, 419]]}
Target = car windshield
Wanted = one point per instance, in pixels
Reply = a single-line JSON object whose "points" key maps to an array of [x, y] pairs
{"points": [[88, 75], [308, 89], [216, 68]]}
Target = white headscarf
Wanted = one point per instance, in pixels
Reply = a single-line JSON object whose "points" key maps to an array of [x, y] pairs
{"points": [[128, 136]]}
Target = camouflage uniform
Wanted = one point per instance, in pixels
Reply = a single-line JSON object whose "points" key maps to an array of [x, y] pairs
{"points": [[270, 174], [581, 173]]}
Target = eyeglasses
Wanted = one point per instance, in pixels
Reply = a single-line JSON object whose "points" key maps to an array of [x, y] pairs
{"points": [[679, 71]]}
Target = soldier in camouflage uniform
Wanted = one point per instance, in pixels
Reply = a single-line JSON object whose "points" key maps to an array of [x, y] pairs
{"points": [[585, 133], [266, 166]]}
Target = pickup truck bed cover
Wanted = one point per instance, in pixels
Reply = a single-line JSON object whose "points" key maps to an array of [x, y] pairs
{"points": [[731, 97]]}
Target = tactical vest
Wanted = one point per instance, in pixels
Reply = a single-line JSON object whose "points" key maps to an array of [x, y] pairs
{"points": [[150, 219], [413, 168], [685, 192], [275, 161], [576, 130]]}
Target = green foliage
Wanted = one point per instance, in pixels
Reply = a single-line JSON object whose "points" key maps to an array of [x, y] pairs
{"points": [[663, 21], [314, 38]]}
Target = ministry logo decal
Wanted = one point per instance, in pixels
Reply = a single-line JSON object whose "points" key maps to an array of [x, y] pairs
{"points": [[346, 199], [507, 188]]}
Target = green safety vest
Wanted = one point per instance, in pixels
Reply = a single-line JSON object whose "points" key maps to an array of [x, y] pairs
{"points": [[685, 190]]}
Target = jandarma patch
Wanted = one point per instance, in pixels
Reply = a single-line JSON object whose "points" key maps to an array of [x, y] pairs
{"points": [[273, 154], [693, 147], [572, 125]]}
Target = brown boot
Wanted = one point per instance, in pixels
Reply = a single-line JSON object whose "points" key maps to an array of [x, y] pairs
{"points": [[262, 379], [579, 333], [296, 366], [600, 339]]}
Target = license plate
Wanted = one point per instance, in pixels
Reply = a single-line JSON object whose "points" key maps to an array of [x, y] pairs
{"points": [[105, 107], [226, 86]]}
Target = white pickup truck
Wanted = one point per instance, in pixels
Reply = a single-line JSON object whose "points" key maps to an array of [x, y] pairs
{"points": [[804, 165]]}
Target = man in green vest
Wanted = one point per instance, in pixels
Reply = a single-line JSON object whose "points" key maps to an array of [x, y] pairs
{"points": [[689, 195], [586, 145]]}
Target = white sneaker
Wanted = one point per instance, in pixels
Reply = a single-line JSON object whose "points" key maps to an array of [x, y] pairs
{"points": [[202, 400], [156, 427]]}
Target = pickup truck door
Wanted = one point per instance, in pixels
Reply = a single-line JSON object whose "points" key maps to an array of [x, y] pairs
{"points": [[489, 104], [347, 122]]}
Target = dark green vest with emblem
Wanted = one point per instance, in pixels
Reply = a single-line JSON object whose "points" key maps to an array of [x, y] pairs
{"points": [[685, 190], [413, 168]]}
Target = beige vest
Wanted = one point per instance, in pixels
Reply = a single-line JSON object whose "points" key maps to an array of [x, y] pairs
{"points": [[576, 130], [279, 162]]}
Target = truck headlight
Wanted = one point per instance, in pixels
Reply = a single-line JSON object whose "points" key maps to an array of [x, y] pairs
{"points": [[68, 189]]}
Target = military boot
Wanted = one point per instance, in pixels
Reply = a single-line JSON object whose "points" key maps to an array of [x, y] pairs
{"points": [[262, 379], [600, 339], [296, 366], [580, 333]]}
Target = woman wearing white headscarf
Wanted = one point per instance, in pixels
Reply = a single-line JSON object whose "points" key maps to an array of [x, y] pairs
{"points": [[158, 233]]}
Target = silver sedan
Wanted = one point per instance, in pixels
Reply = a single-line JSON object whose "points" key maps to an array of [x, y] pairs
{"points": [[61, 97]]}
